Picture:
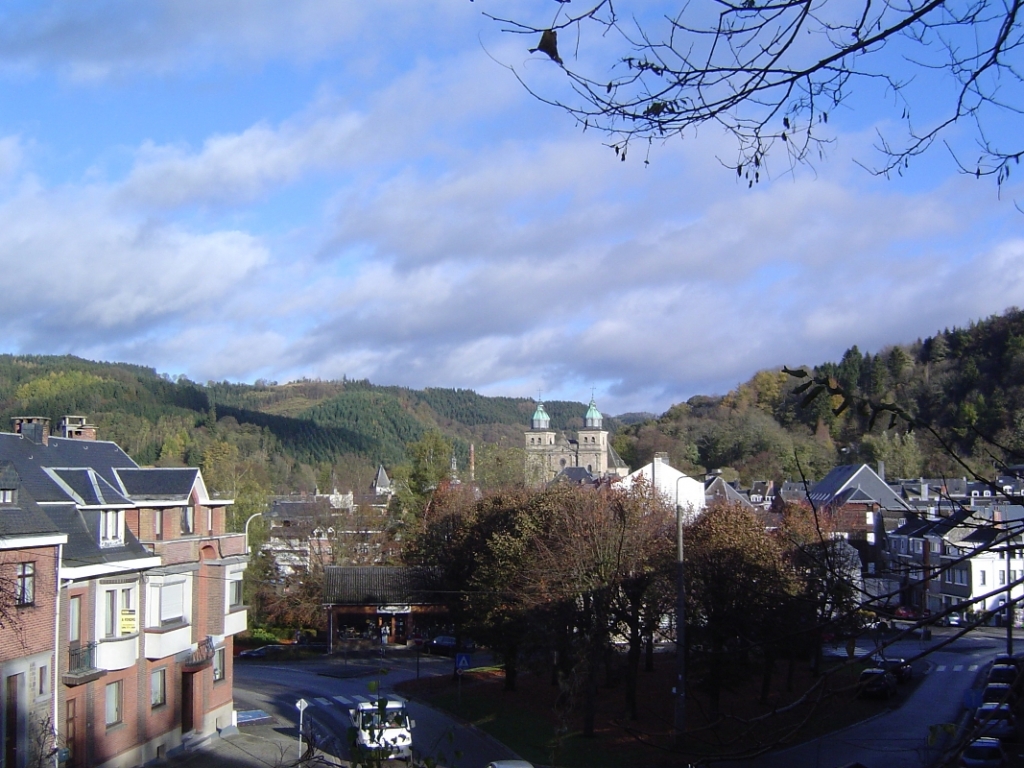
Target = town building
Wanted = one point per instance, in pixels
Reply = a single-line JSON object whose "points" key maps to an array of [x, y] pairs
{"points": [[147, 597], [550, 451]]}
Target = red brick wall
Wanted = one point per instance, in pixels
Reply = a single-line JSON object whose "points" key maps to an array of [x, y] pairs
{"points": [[110, 741], [33, 632]]}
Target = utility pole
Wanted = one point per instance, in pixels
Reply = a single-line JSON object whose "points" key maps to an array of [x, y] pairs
{"points": [[679, 721]]}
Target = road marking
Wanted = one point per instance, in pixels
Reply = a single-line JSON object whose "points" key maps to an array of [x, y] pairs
{"points": [[958, 668], [940, 668], [342, 700], [359, 698], [972, 668], [324, 702]]}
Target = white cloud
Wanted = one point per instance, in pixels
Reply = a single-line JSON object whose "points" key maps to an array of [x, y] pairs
{"points": [[76, 273], [236, 169]]}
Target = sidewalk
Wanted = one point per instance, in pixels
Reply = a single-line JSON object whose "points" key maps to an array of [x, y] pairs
{"points": [[270, 745]]}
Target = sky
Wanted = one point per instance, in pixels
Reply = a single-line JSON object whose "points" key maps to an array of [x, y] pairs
{"points": [[249, 189]]}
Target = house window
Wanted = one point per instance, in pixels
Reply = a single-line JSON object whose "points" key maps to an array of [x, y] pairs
{"points": [[44, 680], [235, 593], [1002, 578], [75, 619], [209, 519], [113, 703], [6, 496], [158, 524], [218, 665], [111, 529], [188, 516], [25, 584], [158, 687], [981, 578], [172, 602], [110, 613]]}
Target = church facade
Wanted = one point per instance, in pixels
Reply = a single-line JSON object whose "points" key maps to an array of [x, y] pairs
{"points": [[550, 452]]}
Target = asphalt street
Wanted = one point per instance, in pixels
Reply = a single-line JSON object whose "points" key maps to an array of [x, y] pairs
{"points": [[332, 686]]}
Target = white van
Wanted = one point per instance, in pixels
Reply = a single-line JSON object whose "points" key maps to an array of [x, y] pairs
{"points": [[383, 727]]}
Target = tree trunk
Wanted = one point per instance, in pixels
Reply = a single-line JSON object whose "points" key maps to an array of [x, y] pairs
{"points": [[511, 668], [632, 670], [766, 679]]}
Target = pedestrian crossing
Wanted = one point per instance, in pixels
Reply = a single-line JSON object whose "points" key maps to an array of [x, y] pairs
{"points": [[956, 667], [347, 701]]}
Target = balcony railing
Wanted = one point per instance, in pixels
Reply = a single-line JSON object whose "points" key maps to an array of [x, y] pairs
{"points": [[82, 658], [202, 656], [82, 665]]}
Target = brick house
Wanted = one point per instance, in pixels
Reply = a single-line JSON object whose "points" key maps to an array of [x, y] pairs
{"points": [[150, 596], [30, 549]]}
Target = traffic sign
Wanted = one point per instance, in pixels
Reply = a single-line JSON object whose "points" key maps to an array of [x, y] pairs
{"points": [[462, 661], [301, 705]]}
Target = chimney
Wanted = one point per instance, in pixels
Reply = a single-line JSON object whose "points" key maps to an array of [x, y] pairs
{"points": [[924, 490], [661, 457], [881, 470], [77, 428], [34, 428]]}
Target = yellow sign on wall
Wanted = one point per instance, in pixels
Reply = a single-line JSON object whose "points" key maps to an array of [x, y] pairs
{"points": [[129, 622]]}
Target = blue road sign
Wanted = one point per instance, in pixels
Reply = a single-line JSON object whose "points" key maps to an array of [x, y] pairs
{"points": [[462, 661]]}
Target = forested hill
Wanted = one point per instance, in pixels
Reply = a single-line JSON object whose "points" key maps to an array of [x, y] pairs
{"points": [[966, 382], [306, 433]]}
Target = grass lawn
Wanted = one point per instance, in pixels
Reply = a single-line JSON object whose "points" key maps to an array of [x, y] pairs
{"points": [[535, 724]]}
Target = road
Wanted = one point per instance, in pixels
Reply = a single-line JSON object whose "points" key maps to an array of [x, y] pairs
{"points": [[899, 738], [331, 686]]}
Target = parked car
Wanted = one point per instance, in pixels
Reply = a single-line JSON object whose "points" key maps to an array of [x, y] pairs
{"points": [[1004, 673], [999, 692], [985, 752], [510, 764], [264, 651], [900, 668], [994, 719], [876, 682], [444, 645]]}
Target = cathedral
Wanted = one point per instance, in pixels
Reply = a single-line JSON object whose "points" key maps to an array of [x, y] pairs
{"points": [[550, 453]]}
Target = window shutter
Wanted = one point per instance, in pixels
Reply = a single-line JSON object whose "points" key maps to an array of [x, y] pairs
{"points": [[172, 601]]}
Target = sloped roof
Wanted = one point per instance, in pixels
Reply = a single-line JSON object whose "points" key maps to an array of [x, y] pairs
{"points": [[853, 483], [30, 458], [377, 585], [24, 519], [87, 488], [716, 489], [158, 483], [83, 530], [575, 475]]}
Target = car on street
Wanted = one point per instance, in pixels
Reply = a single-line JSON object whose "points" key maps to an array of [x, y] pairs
{"points": [[264, 651], [900, 668], [382, 728], [995, 719], [999, 692], [1004, 673], [445, 645], [876, 682], [985, 752]]}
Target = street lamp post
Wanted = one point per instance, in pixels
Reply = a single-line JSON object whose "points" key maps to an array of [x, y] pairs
{"points": [[251, 518], [680, 688]]}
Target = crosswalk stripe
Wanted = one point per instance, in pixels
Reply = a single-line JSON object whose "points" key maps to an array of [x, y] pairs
{"points": [[359, 698], [972, 668], [324, 702], [940, 668], [341, 700], [958, 668]]}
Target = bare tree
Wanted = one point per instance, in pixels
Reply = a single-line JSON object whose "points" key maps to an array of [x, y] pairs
{"points": [[772, 72]]}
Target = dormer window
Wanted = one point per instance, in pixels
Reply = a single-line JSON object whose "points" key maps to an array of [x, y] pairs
{"points": [[111, 528], [7, 496]]}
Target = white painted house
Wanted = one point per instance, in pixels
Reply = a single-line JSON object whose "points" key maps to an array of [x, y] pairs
{"points": [[673, 486]]}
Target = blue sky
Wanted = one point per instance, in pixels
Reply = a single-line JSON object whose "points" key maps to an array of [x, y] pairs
{"points": [[243, 190]]}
